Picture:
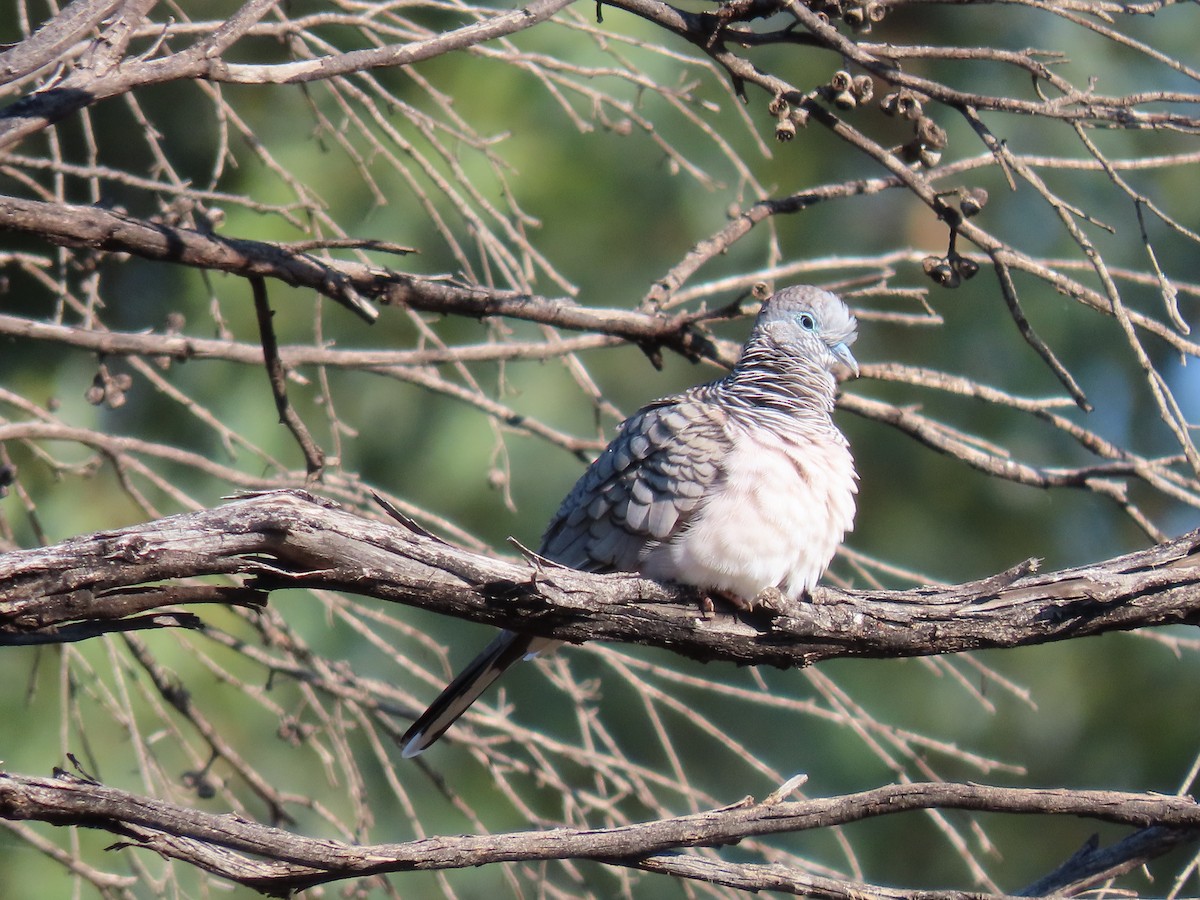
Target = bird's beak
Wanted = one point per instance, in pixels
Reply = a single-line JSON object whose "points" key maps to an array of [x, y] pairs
{"points": [[842, 352]]}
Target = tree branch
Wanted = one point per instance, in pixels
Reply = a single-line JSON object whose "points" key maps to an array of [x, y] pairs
{"points": [[292, 862], [346, 282], [85, 87], [290, 539], [101, 229], [314, 456], [49, 42]]}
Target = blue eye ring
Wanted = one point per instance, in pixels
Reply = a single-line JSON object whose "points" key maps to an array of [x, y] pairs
{"points": [[807, 322]]}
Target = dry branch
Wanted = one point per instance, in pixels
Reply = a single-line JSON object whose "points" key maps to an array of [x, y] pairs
{"points": [[290, 539], [101, 78], [45, 47], [314, 456], [220, 843], [346, 282]]}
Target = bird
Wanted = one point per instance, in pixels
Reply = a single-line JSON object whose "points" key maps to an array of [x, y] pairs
{"points": [[733, 487]]}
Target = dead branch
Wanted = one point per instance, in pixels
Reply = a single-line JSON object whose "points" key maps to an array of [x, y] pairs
{"points": [[102, 79], [314, 456], [346, 282], [226, 844], [290, 539]]}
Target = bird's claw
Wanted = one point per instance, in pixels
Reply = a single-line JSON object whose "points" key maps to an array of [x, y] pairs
{"points": [[768, 601]]}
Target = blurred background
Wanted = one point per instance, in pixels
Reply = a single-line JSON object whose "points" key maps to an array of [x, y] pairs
{"points": [[585, 160]]}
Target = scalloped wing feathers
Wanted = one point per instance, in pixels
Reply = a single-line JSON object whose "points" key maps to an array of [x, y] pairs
{"points": [[643, 489]]}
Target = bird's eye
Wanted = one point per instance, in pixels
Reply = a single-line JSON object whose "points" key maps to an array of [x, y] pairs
{"points": [[807, 322]]}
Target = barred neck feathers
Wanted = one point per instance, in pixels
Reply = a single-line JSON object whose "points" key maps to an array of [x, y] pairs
{"points": [[769, 377], [786, 368]]}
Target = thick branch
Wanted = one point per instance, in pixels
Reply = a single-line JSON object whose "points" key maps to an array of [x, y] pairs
{"points": [[288, 539]]}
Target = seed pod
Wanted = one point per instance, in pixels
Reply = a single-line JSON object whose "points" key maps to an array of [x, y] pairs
{"points": [[930, 133], [888, 104], [967, 268], [96, 391], [855, 17], [929, 158], [943, 273], [863, 88], [973, 201], [843, 99], [785, 129], [875, 12], [841, 81], [911, 152], [799, 116], [908, 104]]}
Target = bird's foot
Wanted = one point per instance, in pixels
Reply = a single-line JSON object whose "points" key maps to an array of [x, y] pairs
{"points": [[707, 602], [769, 601]]}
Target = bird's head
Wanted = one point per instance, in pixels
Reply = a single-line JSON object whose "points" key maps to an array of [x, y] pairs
{"points": [[805, 320]]}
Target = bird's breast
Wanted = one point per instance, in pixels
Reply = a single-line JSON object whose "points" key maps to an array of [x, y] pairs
{"points": [[775, 518]]}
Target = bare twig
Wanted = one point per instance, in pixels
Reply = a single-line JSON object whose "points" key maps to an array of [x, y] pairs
{"points": [[314, 456]]}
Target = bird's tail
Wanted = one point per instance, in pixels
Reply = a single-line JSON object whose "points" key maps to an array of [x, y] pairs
{"points": [[507, 648]]}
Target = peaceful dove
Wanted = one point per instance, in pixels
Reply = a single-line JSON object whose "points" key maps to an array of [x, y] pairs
{"points": [[733, 487]]}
